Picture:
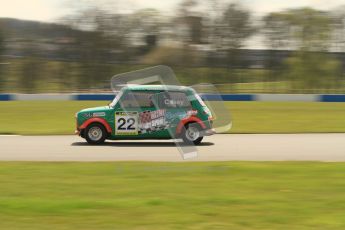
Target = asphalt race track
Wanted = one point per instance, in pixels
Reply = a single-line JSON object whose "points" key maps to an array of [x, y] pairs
{"points": [[222, 147]]}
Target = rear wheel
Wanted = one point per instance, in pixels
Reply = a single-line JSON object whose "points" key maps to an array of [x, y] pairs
{"points": [[192, 134], [95, 134]]}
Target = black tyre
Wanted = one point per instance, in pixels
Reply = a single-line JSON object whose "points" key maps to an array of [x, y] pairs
{"points": [[192, 134], [95, 134]]}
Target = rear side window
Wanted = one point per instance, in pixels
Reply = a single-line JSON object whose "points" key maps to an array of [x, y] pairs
{"points": [[135, 99], [174, 100]]}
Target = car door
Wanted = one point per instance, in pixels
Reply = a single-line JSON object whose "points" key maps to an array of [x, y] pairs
{"points": [[136, 116]]}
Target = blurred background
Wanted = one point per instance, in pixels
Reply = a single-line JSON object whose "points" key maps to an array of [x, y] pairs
{"points": [[240, 46]]}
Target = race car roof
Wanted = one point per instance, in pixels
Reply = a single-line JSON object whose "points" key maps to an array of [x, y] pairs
{"points": [[157, 87]]}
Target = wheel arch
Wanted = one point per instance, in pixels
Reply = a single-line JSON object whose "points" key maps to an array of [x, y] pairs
{"points": [[187, 121], [96, 120]]}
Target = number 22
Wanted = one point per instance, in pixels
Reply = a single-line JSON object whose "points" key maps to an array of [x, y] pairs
{"points": [[122, 122]]}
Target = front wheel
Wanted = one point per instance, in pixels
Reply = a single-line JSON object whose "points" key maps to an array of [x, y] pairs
{"points": [[192, 134], [95, 134]]}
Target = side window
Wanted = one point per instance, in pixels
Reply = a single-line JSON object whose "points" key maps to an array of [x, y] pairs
{"points": [[135, 99], [174, 100]]}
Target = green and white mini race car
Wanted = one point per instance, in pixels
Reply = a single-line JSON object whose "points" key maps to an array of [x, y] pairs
{"points": [[148, 112]]}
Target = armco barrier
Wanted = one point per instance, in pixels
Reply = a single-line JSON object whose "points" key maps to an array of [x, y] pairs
{"points": [[94, 97], [229, 97], [332, 98], [210, 97], [287, 97], [5, 97], [42, 97]]}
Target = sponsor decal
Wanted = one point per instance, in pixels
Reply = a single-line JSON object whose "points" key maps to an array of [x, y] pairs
{"points": [[99, 114], [173, 103], [95, 114], [181, 114], [192, 113], [126, 123], [150, 121], [175, 115], [87, 115]]}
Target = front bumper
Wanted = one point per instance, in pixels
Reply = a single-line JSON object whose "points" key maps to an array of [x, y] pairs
{"points": [[209, 132]]}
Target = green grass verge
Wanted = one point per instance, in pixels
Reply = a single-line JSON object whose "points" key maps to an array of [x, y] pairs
{"points": [[227, 195], [41, 117], [287, 117], [37, 117]]}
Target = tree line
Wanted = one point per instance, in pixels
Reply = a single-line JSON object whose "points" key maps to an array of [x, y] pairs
{"points": [[111, 42]]}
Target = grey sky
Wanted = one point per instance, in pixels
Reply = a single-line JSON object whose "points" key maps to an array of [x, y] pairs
{"points": [[50, 10]]}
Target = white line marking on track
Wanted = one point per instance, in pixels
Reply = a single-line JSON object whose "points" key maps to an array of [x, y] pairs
{"points": [[9, 135]]}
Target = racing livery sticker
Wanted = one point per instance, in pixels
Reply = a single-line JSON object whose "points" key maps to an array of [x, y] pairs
{"points": [[126, 123], [99, 114], [87, 115], [96, 114], [150, 121]]}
